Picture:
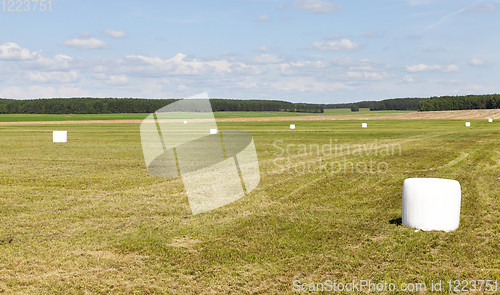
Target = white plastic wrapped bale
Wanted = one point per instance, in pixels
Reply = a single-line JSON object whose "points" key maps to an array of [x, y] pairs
{"points": [[364, 125], [431, 204], [467, 124], [292, 126], [60, 136], [490, 120]]}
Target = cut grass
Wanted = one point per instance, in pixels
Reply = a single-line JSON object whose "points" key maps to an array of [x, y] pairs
{"points": [[86, 217], [362, 111], [68, 117], [217, 115]]}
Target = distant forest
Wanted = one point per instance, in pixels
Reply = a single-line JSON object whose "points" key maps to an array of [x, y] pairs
{"points": [[468, 102], [402, 104], [141, 105], [435, 103]]}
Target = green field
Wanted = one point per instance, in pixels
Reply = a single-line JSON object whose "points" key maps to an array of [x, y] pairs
{"points": [[363, 111], [85, 217], [80, 117]]}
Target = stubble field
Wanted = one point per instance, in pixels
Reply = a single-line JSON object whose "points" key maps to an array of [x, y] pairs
{"points": [[85, 217]]}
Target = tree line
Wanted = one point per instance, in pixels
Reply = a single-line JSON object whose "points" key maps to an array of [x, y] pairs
{"points": [[405, 104], [89, 105], [467, 102], [435, 103], [221, 105], [360, 104]]}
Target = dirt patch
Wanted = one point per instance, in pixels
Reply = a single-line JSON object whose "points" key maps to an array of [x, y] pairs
{"points": [[438, 115]]}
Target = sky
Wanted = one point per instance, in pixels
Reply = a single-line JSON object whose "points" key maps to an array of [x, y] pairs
{"points": [[300, 51]]}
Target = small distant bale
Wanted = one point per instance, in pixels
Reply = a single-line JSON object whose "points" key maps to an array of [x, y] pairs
{"points": [[60, 136], [364, 125], [490, 120], [213, 131], [467, 124], [292, 126]]}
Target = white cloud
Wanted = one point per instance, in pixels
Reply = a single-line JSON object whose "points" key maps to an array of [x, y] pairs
{"points": [[303, 67], [362, 68], [339, 68], [52, 77], [281, 6], [41, 92], [71, 91], [476, 62], [343, 61], [115, 34], [59, 62], [12, 51], [432, 68], [248, 85], [265, 59], [218, 65], [408, 79], [482, 8], [100, 69], [316, 6], [242, 69], [264, 48], [34, 91], [366, 75], [451, 68], [12, 92], [345, 69], [342, 45], [37, 91], [263, 18], [155, 66], [85, 44], [154, 88], [118, 80], [263, 75], [100, 76]]}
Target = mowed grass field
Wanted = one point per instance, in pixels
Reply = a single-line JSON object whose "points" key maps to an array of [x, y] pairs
{"points": [[85, 217], [217, 115]]}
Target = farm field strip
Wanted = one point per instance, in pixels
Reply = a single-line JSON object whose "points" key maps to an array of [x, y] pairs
{"points": [[140, 116], [329, 115], [85, 216]]}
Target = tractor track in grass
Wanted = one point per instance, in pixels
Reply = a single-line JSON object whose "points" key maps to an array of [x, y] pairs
{"points": [[435, 115]]}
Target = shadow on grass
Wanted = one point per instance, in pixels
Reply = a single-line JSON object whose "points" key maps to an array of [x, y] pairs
{"points": [[397, 221]]}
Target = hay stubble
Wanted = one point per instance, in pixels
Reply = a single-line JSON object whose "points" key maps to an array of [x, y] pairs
{"points": [[85, 217]]}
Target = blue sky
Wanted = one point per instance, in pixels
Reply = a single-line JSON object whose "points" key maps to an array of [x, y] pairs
{"points": [[300, 51]]}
